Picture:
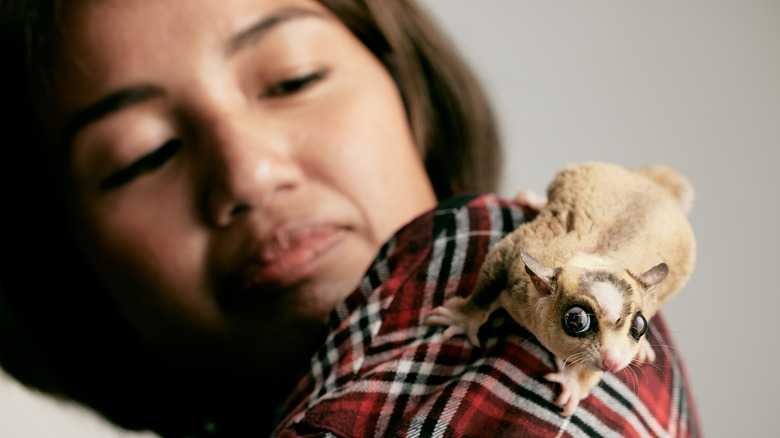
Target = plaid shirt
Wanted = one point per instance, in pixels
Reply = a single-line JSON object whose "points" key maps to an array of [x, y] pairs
{"points": [[383, 372]]}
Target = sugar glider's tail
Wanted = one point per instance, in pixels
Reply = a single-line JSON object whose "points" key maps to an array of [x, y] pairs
{"points": [[670, 180]]}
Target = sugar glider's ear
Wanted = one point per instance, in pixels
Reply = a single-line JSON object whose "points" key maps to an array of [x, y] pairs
{"points": [[654, 277], [539, 273]]}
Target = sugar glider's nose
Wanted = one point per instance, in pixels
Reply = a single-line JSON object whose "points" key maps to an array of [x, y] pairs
{"points": [[610, 360]]}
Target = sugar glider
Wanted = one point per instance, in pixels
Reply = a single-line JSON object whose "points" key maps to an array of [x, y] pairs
{"points": [[584, 277]]}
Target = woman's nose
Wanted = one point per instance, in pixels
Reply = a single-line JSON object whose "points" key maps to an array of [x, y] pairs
{"points": [[248, 167]]}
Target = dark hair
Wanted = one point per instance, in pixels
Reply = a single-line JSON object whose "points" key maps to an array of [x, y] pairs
{"points": [[59, 332]]}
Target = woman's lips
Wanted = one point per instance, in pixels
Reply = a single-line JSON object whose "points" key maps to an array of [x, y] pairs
{"points": [[292, 253]]}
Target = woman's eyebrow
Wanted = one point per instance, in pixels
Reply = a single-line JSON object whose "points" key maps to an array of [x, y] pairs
{"points": [[121, 99], [256, 31], [109, 104]]}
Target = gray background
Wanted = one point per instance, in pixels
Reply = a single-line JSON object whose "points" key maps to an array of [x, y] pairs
{"points": [[693, 84]]}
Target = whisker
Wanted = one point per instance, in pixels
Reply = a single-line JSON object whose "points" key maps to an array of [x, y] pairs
{"points": [[632, 368], [539, 314], [655, 367], [517, 346], [575, 359]]}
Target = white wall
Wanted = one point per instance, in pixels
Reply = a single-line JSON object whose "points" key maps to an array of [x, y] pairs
{"points": [[695, 84]]}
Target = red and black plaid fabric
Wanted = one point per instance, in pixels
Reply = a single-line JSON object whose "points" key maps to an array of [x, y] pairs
{"points": [[383, 372]]}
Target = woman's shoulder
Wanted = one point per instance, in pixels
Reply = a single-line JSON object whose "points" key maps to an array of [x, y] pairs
{"points": [[383, 372]]}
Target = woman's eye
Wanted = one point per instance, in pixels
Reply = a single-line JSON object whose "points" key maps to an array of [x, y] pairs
{"points": [[294, 85], [147, 163]]}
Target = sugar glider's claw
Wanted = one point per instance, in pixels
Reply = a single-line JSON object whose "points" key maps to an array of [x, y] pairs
{"points": [[473, 338], [645, 353], [451, 316], [571, 392], [439, 317], [450, 333], [570, 407]]}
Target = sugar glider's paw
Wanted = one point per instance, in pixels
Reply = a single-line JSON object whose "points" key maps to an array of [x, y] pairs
{"points": [[645, 353], [451, 315], [530, 199], [576, 382], [571, 394]]}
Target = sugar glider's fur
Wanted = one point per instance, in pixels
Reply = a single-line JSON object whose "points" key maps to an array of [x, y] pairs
{"points": [[606, 251]]}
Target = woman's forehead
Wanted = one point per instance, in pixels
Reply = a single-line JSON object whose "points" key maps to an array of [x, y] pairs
{"points": [[111, 36], [111, 44]]}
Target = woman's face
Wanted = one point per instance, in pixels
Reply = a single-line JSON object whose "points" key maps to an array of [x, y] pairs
{"points": [[234, 168]]}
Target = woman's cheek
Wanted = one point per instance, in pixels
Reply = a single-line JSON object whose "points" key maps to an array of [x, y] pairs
{"points": [[150, 255]]}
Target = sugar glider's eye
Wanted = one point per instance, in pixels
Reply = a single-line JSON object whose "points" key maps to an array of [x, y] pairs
{"points": [[576, 321], [638, 326]]}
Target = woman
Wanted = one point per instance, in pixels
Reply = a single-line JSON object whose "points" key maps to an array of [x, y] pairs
{"points": [[214, 179]]}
